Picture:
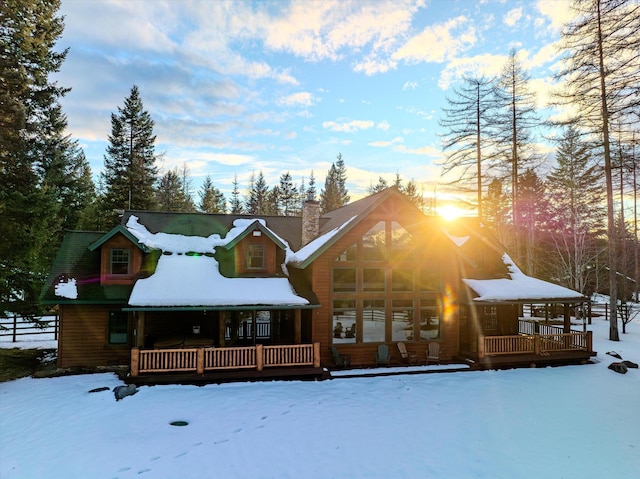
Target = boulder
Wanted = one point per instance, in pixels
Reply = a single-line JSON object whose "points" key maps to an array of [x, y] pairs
{"points": [[630, 364], [618, 367], [614, 354], [124, 391]]}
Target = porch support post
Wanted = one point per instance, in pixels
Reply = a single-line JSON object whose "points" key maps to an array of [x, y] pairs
{"points": [[139, 343], [259, 357], [222, 326], [480, 346], [135, 362], [200, 361], [297, 326], [567, 318], [316, 354]]}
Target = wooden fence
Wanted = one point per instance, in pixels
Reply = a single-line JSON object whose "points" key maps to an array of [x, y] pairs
{"points": [[17, 327], [199, 360]]}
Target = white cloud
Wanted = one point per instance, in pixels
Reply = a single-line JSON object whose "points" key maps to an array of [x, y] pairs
{"points": [[486, 64], [348, 127], [512, 17], [384, 144], [437, 43], [300, 98], [558, 13], [410, 85], [383, 125]]}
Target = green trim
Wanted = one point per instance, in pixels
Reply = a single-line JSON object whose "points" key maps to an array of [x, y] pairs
{"points": [[253, 307], [251, 228], [118, 229]]}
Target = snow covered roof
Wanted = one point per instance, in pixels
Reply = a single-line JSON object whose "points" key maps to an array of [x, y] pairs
{"points": [[194, 280], [519, 287], [189, 275], [299, 257]]}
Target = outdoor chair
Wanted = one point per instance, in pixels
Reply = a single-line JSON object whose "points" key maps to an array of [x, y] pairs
{"points": [[340, 360], [406, 356], [383, 356], [433, 353]]}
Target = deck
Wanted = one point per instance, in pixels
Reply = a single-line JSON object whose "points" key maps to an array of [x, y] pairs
{"points": [[536, 344], [207, 364]]}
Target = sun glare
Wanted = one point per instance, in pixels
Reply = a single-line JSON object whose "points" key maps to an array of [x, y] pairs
{"points": [[450, 212]]}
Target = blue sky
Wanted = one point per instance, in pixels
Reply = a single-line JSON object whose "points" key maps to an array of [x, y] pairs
{"points": [[240, 87]]}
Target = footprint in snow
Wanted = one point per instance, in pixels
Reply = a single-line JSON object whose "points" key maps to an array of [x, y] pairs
{"points": [[142, 471], [237, 430], [124, 469], [181, 454], [155, 458]]}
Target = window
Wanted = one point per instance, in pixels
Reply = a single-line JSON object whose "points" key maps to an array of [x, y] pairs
{"points": [[373, 320], [344, 280], [430, 319], [489, 318], [402, 320], [118, 327], [255, 256], [372, 279], [374, 244], [344, 321], [429, 280], [119, 261], [402, 280], [401, 242], [348, 255]]}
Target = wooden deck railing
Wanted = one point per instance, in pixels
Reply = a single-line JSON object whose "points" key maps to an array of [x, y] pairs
{"points": [[200, 360], [540, 344]]}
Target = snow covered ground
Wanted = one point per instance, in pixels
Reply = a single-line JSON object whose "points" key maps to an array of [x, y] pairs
{"points": [[565, 422]]}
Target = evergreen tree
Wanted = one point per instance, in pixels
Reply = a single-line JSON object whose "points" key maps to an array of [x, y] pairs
{"points": [[256, 201], [381, 185], [31, 141], [334, 195], [533, 213], [496, 209], [211, 198], [130, 172], [577, 213], [273, 202], [235, 204], [311, 189], [288, 196], [410, 190], [170, 193]]}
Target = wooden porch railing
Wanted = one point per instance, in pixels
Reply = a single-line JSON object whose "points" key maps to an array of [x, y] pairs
{"points": [[540, 344], [200, 360]]}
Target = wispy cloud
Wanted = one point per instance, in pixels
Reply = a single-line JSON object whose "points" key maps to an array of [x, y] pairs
{"points": [[512, 17], [297, 99], [438, 43], [348, 127]]}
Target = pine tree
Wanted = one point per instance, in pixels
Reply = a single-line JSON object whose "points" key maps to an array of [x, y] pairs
{"points": [[256, 201], [235, 204], [533, 213], [170, 193], [31, 141], [496, 209], [334, 195], [130, 172], [288, 196], [381, 185], [212, 200], [577, 213]]}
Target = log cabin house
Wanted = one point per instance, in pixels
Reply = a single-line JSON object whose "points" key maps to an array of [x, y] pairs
{"points": [[211, 297]]}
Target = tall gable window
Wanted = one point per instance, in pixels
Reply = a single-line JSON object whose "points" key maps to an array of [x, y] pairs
{"points": [[120, 261], [255, 256], [385, 287]]}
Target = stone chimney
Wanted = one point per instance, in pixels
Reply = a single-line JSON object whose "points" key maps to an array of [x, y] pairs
{"points": [[310, 220]]}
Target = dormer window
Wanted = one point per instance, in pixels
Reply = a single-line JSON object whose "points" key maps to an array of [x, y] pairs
{"points": [[120, 261], [255, 256]]}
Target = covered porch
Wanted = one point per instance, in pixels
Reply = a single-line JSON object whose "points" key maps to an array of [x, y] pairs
{"points": [[508, 336], [220, 344]]}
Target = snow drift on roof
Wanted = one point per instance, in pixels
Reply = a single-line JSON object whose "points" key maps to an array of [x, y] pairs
{"points": [[194, 280], [519, 287], [176, 243], [67, 289], [305, 252]]}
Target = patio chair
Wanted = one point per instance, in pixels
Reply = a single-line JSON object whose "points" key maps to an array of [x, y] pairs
{"points": [[433, 353], [406, 356], [340, 360], [382, 355]]}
